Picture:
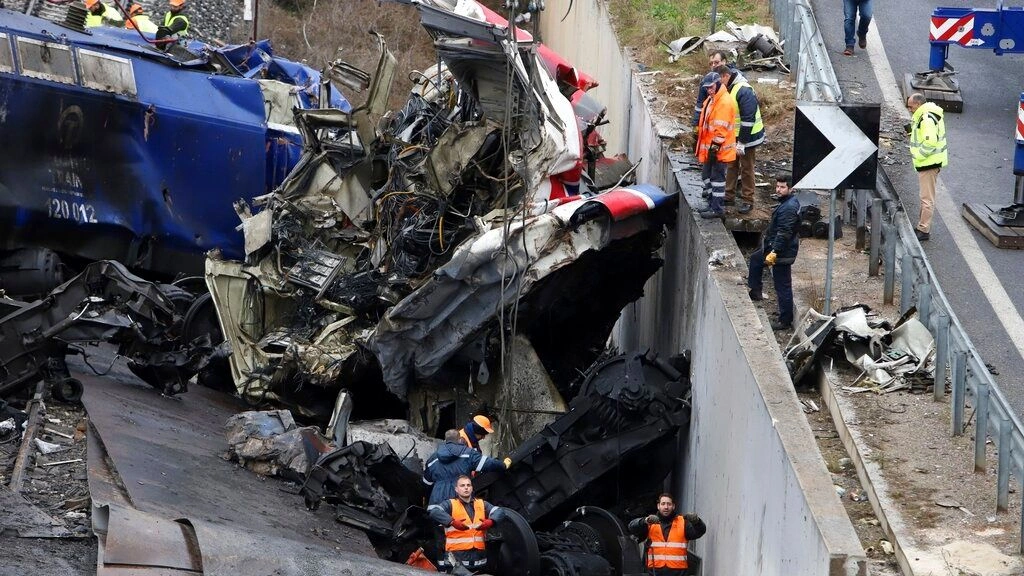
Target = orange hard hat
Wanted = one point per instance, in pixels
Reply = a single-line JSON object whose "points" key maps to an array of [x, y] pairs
{"points": [[177, 3], [135, 9], [90, 3], [483, 422]]}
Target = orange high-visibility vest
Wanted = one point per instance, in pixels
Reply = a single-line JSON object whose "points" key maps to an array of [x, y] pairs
{"points": [[667, 552], [718, 126], [457, 540]]}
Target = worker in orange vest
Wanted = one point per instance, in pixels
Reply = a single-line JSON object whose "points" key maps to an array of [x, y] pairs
{"points": [[716, 142], [476, 430], [465, 520], [667, 536]]}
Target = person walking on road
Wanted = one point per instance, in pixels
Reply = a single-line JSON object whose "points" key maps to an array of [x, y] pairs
{"points": [[454, 459], [850, 10], [465, 520], [778, 250], [667, 535], [929, 154], [716, 142], [749, 135]]}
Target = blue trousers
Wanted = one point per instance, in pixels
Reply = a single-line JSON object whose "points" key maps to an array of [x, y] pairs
{"points": [[850, 9], [782, 277]]}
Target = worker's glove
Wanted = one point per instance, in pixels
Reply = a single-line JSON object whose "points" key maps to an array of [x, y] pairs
{"points": [[740, 149], [459, 525], [771, 258], [691, 518], [508, 462], [906, 127], [713, 153], [486, 524], [652, 519]]}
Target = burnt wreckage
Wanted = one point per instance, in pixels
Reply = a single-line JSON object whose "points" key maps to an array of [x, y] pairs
{"points": [[468, 253], [406, 250], [565, 492]]}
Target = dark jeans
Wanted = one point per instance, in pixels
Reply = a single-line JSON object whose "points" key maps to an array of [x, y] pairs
{"points": [[850, 9], [782, 277]]}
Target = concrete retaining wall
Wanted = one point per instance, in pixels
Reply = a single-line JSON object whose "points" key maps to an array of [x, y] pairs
{"points": [[753, 470]]}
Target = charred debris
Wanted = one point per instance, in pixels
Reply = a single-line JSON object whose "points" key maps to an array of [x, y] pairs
{"points": [[468, 253]]}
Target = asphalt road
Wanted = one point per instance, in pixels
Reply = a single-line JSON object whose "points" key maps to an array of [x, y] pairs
{"points": [[981, 282]]}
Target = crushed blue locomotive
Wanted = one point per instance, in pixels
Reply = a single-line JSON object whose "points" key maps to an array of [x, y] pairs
{"points": [[116, 150]]}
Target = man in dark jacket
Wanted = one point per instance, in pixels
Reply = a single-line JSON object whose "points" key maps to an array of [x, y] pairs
{"points": [[739, 176], [454, 459], [666, 536], [778, 251]]}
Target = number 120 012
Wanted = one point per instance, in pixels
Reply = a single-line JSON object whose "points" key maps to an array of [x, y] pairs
{"points": [[64, 210]]}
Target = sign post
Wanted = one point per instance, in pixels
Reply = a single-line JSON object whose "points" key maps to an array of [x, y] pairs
{"points": [[835, 147]]}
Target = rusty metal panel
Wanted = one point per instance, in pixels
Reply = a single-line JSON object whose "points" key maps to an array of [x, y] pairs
{"points": [[46, 61], [136, 539], [6, 54], [107, 73]]}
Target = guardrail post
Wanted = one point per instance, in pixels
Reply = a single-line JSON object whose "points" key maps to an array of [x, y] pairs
{"points": [[861, 197], [980, 426], [1003, 472], [907, 286], [941, 356], [959, 391], [924, 303], [889, 260], [876, 236]]}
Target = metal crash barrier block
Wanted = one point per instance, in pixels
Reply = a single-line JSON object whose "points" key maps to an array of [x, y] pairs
{"points": [[937, 86]]}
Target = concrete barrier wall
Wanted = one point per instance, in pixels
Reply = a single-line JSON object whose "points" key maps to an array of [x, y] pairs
{"points": [[752, 470]]}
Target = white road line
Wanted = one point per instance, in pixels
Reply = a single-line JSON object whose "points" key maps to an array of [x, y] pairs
{"points": [[960, 233]]}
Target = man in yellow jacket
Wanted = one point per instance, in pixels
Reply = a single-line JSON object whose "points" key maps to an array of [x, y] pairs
{"points": [[716, 142], [928, 151], [140, 20], [101, 14]]}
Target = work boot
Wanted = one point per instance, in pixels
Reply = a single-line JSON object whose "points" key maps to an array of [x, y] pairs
{"points": [[921, 236], [714, 209], [863, 41], [778, 326], [755, 296], [744, 208]]}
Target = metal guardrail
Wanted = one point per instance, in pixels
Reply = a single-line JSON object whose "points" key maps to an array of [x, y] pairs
{"points": [[968, 374], [805, 51], [894, 245]]}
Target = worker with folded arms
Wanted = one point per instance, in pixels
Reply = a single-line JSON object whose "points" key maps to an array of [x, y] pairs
{"points": [[101, 14], [667, 535], [452, 460], [465, 520]]}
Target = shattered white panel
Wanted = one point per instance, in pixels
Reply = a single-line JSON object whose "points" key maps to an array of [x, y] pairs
{"points": [[257, 231], [6, 55], [399, 434], [107, 73], [46, 61]]}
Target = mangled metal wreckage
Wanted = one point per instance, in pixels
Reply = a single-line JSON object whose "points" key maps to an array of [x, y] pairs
{"points": [[405, 248]]}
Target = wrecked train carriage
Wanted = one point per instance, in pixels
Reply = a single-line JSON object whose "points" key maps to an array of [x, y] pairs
{"points": [[121, 151], [424, 242]]}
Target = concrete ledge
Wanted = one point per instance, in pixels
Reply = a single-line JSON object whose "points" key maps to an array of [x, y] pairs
{"points": [[893, 527]]}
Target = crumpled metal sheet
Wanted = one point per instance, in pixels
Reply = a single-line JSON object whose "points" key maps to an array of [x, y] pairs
{"points": [[430, 325], [270, 443]]}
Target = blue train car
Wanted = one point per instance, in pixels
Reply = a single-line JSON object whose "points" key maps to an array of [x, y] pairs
{"points": [[113, 149]]}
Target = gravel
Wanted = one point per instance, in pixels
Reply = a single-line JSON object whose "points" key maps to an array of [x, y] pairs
{"points": [[209, 19]]}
